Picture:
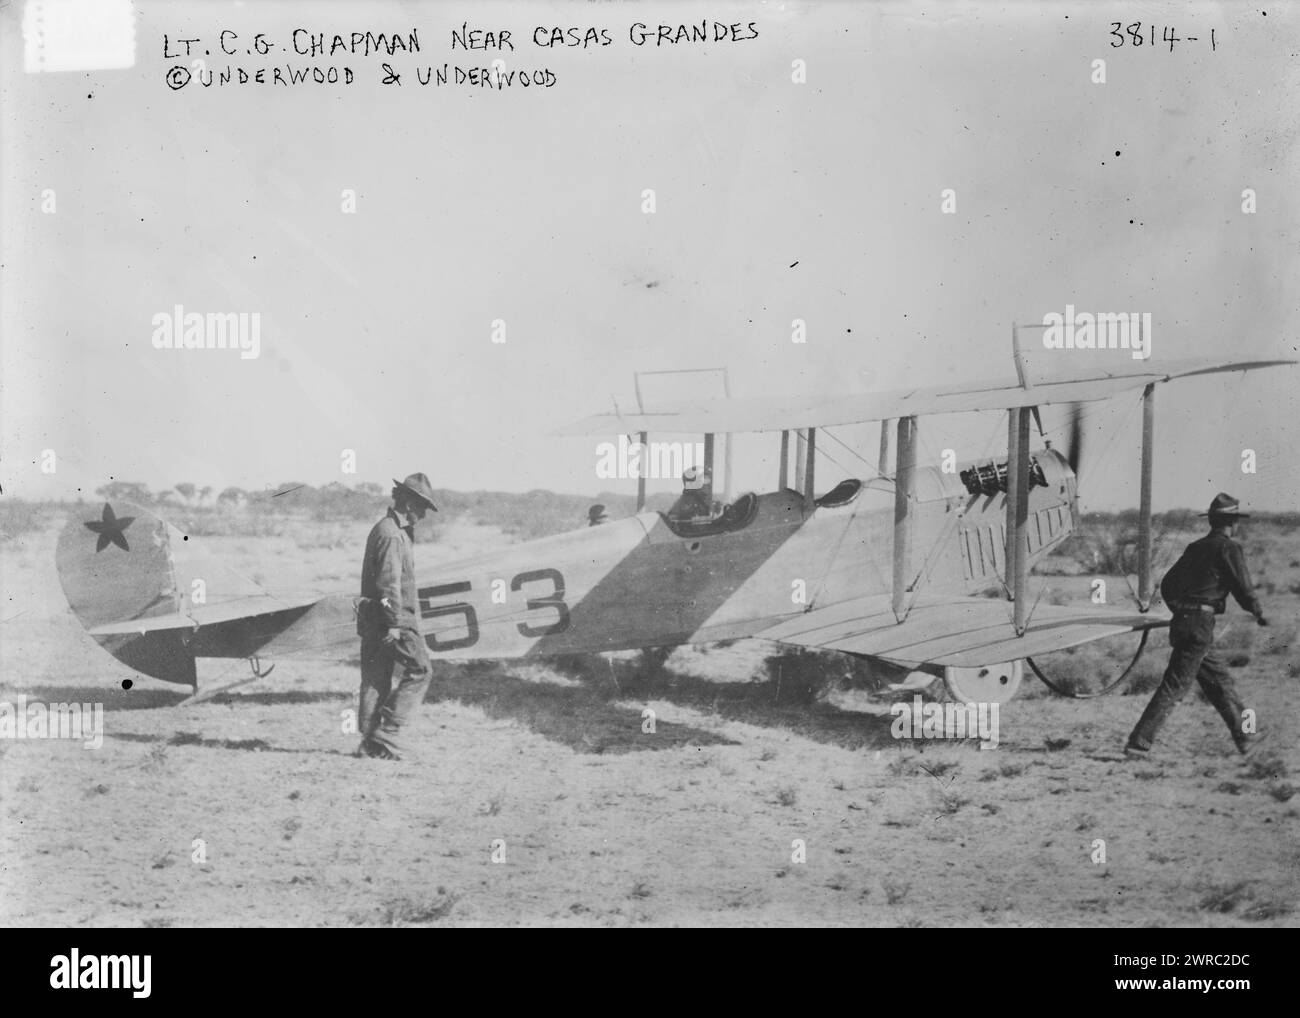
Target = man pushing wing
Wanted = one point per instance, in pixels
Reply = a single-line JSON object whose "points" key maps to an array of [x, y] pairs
{"points": [[1196, 589]]}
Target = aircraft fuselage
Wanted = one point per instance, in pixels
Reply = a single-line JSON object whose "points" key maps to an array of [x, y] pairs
{"points": [[639, 582]]}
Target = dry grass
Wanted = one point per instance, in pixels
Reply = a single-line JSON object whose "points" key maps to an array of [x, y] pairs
{"points": [[607, 826]]}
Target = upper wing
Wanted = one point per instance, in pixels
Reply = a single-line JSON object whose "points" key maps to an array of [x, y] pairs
{"points": [[960, 631], [788, 413]]}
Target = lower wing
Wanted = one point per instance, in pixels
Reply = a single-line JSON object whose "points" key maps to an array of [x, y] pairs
{"points": [[957, 631]]}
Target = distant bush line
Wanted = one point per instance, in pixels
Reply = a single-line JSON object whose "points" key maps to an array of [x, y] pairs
{"points": [[1106, 541], [203, 511]]}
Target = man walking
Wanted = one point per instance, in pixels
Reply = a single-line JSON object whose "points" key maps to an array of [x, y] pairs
{"points": [[388, 622], [1196, 590]]}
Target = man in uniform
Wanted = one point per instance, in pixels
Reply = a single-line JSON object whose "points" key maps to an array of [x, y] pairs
{"points": [[388, 622], [1196, 590]]}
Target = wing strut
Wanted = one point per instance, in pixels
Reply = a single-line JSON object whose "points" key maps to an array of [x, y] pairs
{"points": [[1009, 527], [904, 482], [644, 438], [1144, 514], [1017, 554], [810, 471], [800, 457]]}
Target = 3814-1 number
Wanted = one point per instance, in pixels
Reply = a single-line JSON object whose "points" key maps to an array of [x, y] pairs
{"points": [[551, 602], [1136, 35]]}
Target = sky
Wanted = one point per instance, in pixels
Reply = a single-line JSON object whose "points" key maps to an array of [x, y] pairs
{"points": [[774, 200]]}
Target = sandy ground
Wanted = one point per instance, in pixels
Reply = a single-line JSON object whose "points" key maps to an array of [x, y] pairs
{"points": [[537, 798]]}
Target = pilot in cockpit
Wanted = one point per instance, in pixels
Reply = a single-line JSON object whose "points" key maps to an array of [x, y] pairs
{"points": [[696, 501]]}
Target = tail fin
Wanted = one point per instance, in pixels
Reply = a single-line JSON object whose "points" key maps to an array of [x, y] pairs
{"points": [[122, 564]]}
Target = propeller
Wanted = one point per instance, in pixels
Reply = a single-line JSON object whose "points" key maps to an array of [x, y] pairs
{"points": [[1074, 449]]}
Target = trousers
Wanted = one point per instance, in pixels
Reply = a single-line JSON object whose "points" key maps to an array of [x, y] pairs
{"points": [[1192, 637], [386, 706]]}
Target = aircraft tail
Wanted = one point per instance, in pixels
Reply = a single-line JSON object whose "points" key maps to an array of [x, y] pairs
{"points": [[132, 580]]}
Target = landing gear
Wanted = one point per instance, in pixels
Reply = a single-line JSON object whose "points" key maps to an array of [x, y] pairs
{"points": [[199, 695], [1078, 687], [986, 684]]}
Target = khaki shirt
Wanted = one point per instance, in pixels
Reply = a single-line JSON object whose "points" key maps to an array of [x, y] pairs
{"points": [[388, 579]]}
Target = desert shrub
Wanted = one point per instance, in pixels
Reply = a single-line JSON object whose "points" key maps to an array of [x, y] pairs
{"points": [[18, 517]]}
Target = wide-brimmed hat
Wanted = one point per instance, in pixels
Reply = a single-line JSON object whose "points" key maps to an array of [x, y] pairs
{"points": [[419, 486], [1224, 505]]}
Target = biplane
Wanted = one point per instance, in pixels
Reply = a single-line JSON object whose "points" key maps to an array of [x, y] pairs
{"points": [[888, 569]]}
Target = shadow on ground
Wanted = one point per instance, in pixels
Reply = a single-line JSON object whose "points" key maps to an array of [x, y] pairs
{"points": [[113, 697], [193, 739], [581, 716], [593, 715]]}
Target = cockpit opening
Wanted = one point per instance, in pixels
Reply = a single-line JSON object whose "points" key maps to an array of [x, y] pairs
{"points": [[842, 494], [696, 519]]}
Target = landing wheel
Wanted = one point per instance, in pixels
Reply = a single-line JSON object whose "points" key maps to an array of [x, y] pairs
{"points": [[985, 684]]}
